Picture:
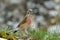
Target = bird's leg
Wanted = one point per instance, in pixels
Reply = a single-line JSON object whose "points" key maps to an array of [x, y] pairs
{"points": [[26, 32]]}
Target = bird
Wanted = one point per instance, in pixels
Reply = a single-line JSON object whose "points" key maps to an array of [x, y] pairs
{"points": [[26, 21]]}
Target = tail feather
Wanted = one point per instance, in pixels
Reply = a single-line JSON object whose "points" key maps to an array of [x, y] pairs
{"points": [[15, 31]]}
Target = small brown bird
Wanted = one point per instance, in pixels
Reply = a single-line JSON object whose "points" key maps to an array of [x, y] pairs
{"points": [[26, 21]]}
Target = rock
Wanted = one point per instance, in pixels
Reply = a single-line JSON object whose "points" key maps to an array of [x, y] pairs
{"points": [[9, 14], [10, 23], [16, 13], [40, 19], [3, 39], [15, 1], [15, 25], [2, 6], [54, 28], [31, 5], [20, 39], [1, 20], [49, 4], [43, 10], [57, 7], [52, 13], [57, 1]]}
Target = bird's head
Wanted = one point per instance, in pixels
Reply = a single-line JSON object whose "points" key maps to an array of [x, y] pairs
{"points": [[29, 12]]}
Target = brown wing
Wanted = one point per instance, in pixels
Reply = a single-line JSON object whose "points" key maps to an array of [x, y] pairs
{"points": [[24, 26], [23, 21]]}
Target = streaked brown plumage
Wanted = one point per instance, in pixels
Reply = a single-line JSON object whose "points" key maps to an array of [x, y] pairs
{"points": [[26, 21]]}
